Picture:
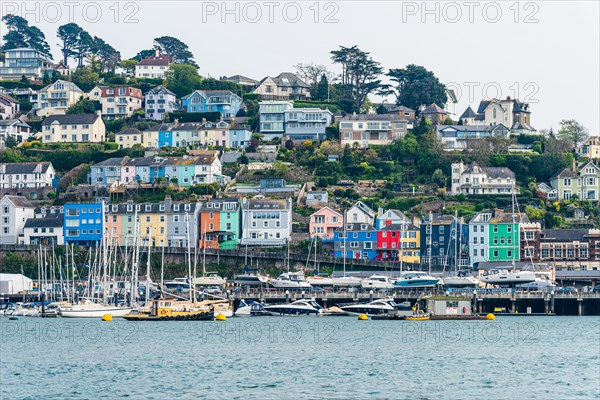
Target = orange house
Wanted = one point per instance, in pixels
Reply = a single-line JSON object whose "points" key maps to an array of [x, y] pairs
{"points": [[210, 223]]}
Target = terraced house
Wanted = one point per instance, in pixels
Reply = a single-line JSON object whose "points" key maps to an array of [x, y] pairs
{"points": [[219, 223], [324, 223], [266, 222], [444, 242], [83, 223], [26, 175], [399, 242], [224, 134], [355, 241], [158, 102]]}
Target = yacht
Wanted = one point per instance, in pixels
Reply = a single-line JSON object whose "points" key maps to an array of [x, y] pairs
{"points": [[377, 282], [507, 277], [416, 279], [250, 279], [212, 279], [378, 307], [298, 307], [177, 285], [461, 279], [346, 281], [320, 281], [250, 308], [93, 310], [542, 281], [290, 280]]}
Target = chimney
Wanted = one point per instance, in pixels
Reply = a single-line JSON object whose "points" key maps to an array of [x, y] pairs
{"points": [[168, 203], [574, 165], [157, 52], [99, 113], [497, 211], [203, 120]]}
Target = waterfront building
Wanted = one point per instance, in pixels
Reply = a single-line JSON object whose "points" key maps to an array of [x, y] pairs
{"points": [[356, 241], [390, 217], [444, 242], [323, 223], [266, 222], [360, 213], [14, 212], [399, 242], [83, 223], [46, 228], [220, 223]]}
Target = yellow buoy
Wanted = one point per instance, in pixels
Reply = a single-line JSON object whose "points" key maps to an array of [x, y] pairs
{"points": [[490, 316], [220, 317], [107, 317], [363, 317]]}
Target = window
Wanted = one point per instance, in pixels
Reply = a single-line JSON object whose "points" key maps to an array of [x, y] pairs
{"points": [[495, 228], [495, 253], [509, 253]]}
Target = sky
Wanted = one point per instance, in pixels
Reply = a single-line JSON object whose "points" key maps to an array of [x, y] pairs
{"points": [[546, 53]]}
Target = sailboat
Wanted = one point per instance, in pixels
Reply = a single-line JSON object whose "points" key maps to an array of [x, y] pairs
{"points": [[207, 278], [459, 278]]}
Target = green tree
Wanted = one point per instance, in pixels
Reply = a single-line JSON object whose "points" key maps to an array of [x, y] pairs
{"points": [[10, 142], [415, 86], [20, 34], [85, 78], [83, 106], [359, 73], [11, 156], [182, 79], [143, 54], [439, 178], [176, 49], [24, 80], [573, 132], [69, 34], [129, 65], [46, 79]]}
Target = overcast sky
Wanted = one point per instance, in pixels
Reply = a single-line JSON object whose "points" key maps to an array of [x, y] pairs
{"points": [[546, 52]]}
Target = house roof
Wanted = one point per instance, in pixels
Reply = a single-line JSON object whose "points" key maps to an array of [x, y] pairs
{"points": [[564, 234], [53, 221], [163, 126], [67, 84], [230, 157], [263, 204], [25, 167], [499, 172], [241, 78], [158, 58], [18, 201], [160, 90], [371, 117], [326, 208], [434, 109], [469, 113], [217, 205], [129, 131], [357, 227], [565, 173], [400, 227], [509, 218], [14, 121], [71, 119], [396, 213], [287, 79], [8, 98]]}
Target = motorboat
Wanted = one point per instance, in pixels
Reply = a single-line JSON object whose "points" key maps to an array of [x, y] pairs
{"points": [[298, 307], [177, 285], [250, 279], [320, 281], [542, 282], [377, 282], [250, 308], [460, 279], [290, 280], [93, 310], [416, 279], [211, 279], [507, 277], [378, 307], [346, 281]]}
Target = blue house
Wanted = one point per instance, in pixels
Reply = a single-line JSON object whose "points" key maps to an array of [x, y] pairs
{"points": [[440, 242], [223, 101], [83, 223], [360, 241]]}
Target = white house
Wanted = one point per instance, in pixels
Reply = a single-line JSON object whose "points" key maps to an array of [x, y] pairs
{"points": [[360, 213], [54, 99], [474, 179], [158, 102], [153, 66], [478, 238], [371, 129], [266, 222], [26, 175], [73, 128], [464, 137], [512, 113], [14, 128], [45, 229], [25, 61], [14, 212]]}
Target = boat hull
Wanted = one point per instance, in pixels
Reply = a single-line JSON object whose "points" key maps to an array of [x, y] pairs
{"points": [[191, 316], [289, 311], [416, 283], [94, 312]]}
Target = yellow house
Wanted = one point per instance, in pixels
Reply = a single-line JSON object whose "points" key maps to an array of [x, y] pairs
{"points": [[153, 225], [74, 128], [54, 99], [399, 242], [590, 148], [129, 137]]}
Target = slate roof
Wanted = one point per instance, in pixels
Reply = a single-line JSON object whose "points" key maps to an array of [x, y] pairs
{"points": [[241, 78], [160, 89], [71, 119], [230, 157], [564, 235], [287, 79], [357, 227], [217, 205], [469, 113], [566, 173], [371, 117], [499, 172], [25, 167], [54, 221], [400, 227], [129, 131], [19, 201], [16, 121], [266, 204], [434, 109], [509, 218]]}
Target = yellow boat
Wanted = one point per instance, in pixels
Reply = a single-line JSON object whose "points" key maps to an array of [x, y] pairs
{"points": [[170, 310], [418, 318]]}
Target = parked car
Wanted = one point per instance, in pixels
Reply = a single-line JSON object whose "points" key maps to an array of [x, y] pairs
{"points": [[566, 289]]}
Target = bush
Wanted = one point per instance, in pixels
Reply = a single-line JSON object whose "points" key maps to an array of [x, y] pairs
{"points": [[194, 117], [111, 146]]}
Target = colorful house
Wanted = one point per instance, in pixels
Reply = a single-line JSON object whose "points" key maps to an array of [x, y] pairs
{"points": [[83, 223], [324, 222], [390, 217], [444, 241], [399, 242], [223, 101], [220, 223], [355, 241]]}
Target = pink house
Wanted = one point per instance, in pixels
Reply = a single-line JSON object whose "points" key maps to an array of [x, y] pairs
{"points": [[324, 222]]}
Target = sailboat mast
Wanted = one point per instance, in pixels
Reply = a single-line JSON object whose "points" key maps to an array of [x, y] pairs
{"points": [[162, 268], [147, 291], [187, 232]]}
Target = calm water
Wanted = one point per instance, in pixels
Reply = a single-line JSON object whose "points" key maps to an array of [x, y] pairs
{"points": [[303, 357]]}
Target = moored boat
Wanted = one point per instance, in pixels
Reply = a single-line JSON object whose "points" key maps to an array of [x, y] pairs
{"points": [[416, 279], [93, 310], [298, 307], [377, 282], [507, 277], [378, 307], [290, 280], [170, 310]]}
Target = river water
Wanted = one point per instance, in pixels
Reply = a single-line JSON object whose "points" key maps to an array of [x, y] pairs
{"points": [[301, 357]]}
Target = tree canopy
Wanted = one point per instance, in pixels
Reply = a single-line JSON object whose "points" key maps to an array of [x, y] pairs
{"points": [[416, 86], [20, 34], [176, 49], [182, 79], [572, 132]]}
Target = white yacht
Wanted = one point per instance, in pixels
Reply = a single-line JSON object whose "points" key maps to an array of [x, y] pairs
{"points": [[460, 279], [250, 308], [298, 307], [250, 279], [416, 279], [378, 307], [346, 281], [320, 281], [290, 280], [377, 282], [93, 310], [507, 277], [212, 279]]}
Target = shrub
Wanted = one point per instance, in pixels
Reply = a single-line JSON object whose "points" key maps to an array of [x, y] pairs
{"points": [[111, 146]]}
